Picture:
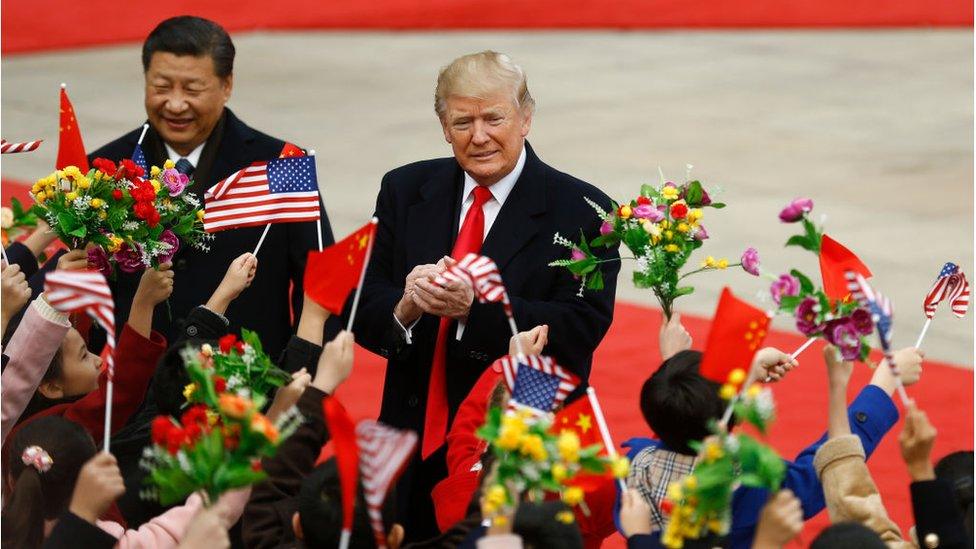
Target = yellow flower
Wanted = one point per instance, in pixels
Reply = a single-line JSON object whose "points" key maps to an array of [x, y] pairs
{"points": [[672, 248], [500, 520], [715, 525], [675, 492], [683, 227], [754, 391], [36, 187], [625, 212], [708, 262], [96, 202], [200, 215], [665, 224], [569, 446], [102, 215], [713, 451], [723, 263], [572, 495], [737, 376], [156, 185], [513, 427], [82, 182], [532, 446], [169, 164], [72, 172], [40, 196], [189, 390], [559, 472], [727, 392], [71, 195], [496, 495], [565, 517], [620, 467], [691, 482], [694, 215], [669, 193], [154, 171], [115, 245]]}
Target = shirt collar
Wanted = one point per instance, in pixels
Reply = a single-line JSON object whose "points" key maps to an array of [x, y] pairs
{"points": [[193, 157], [501, 189]]}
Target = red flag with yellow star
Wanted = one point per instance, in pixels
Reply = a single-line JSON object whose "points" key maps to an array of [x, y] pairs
{"points": [[738, 330], [332, 273], [580, 418], [835, 260], [290, 150], [71, 151]]}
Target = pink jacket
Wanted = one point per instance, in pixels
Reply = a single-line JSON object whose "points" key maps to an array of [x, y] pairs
{"points": [[166, 531], [30, 350]]}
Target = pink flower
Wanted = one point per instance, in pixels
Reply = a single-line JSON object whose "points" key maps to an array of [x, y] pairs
{"points": [[750, 261], [130, 259], [175, 181], [606, 228], [862, 321], [783, 286], [701, 233], [794, 211], [842, 333], [647, 211], [806, 317], [577, 254], [167, 237], [98, 259]]}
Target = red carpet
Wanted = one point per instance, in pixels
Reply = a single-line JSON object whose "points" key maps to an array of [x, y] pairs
{"points": [[629, 354], [60, 24]]}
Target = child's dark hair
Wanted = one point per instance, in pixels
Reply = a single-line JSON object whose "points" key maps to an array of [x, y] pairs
{"points": [[547, 524], [678, 403], [38, 496], [847, 535], [957, 469], [320, 510]]}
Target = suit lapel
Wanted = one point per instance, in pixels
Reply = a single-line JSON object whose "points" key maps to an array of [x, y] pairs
{"points": [[432, 222], [518, 221]]}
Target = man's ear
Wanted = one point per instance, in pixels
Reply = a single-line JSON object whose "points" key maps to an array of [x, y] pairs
{"points": [[51, 389], [526, 123], [296, 525], [447, 132], [395, 538], [227, 85]]}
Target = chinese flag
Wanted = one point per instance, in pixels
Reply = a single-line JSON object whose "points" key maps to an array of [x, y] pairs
{"points": [[738, 330], [290, 150], [346, 453], [579, 417], [835, 259], [332, 273], [71, 151]]}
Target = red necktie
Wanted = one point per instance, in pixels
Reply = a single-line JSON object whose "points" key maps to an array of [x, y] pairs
{"points": [[468, 241]]}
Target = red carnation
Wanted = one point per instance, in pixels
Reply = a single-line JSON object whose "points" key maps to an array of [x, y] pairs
{"points": [[146, 211], [105, 166], [642, 200], [227, 342], [256, 466], [195, 415], [143, 191], [161, 426], [679, 210], [192, 432], [131, 169], [117, 194], [220, 384], [666, 506], [174, 439]]}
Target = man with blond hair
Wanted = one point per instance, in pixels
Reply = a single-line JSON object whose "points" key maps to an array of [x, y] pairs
{"points": [[494, 197]]}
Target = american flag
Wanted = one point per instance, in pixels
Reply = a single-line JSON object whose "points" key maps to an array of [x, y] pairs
{"points": [[952, 285], [284, 190], [482, 274], [88, 292], [878, 305], [538, 384], [139, 158], [383, 454], [7, 147]]}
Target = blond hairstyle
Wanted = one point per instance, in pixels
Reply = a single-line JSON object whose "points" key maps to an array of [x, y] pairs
{"points": [[480, 75]]}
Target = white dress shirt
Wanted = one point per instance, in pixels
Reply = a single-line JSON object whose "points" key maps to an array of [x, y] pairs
{"points": [[499, 193], [193, 157]]}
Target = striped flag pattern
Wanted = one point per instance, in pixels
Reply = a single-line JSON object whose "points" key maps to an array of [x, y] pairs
{"points": [[538, 385], [383, 454], [283, 190], [6, 147], [88, 292], [878, 304], [950, 285], [483, 275]]}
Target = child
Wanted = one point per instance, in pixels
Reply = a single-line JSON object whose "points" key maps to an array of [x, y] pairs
{"points": [[678, 403]]}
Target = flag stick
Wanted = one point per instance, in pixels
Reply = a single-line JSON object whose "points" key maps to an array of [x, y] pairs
{"points": [[318, 221], [921, 336], [107, 435], [604, 431], [344, 539], [3, 255], [143, 134], [362, 277], [261, 240], [518, 340], [803, 347]]}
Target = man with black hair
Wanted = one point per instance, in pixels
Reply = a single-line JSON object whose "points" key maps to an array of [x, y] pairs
{"points": [[188, 64]]}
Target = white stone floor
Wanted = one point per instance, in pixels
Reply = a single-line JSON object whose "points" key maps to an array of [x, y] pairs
{"points": [[875, 126]]}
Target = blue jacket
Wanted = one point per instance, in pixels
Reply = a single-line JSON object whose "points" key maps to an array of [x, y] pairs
{"points": [[871, 415]]}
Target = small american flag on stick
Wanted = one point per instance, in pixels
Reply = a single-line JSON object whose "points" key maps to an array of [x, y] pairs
{"points": [[537, 383], [383, 453], [483, 275], [7, 147], [881, 313], [283, 190], [952, 286]]}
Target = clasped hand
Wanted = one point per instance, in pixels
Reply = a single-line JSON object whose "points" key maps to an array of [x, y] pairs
{"points": [[422, 295]]}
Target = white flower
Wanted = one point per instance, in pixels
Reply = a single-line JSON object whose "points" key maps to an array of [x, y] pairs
{"points": [[190, 199], [249, 355], [81, 203], [183, 461], [6, 218], [129, 226], [643, 264], [562, 241], [600, 211], [732, 444], [765, 404]]}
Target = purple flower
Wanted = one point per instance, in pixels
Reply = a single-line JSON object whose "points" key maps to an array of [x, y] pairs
{"points": [[167, 237], [706, 200], [862, 321], [794, 211], [750, 261], [842, 333], [130, 259], [577, 254], [606, 228], [175, 181], [701, 233], [647, 211], [98, 259], [806, 317], [783, 286]]}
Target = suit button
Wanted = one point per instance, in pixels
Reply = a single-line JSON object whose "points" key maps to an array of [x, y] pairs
{"points": [[861, 417], [931, 540], [413, 401], [180, 264], [191, 331], [474, 354]]}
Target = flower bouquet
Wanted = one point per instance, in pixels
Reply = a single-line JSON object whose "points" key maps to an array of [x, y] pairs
{"points": [[700, 503], [215, 446], [530, 460], [237, 366], [134, 222], [662, 227]]}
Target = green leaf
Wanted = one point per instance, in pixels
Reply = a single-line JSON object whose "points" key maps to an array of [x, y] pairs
{"points": [[799, 240], [789, 302], [717, 205], [80, 232], [648, 191], [595, 280], [606, 240], [693, 193], [582, 266], [864, 351], [684, 290], [806, 285]]}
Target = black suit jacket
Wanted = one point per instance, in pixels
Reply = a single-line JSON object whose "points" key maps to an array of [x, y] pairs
{"points": [[264, 307], [418, 209]]}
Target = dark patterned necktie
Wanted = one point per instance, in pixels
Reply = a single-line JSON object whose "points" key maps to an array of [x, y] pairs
{"points": [[185, 167]]}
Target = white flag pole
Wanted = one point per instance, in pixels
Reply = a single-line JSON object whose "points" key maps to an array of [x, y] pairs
{"points": [[802, 348], [261, 240], [143, 134], [921, 336], [362, 277], [318, 221], [604, 431], [107, 434]]}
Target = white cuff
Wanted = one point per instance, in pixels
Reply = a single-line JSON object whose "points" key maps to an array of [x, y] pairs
{"points": [[407, 330], [49, 313]]}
